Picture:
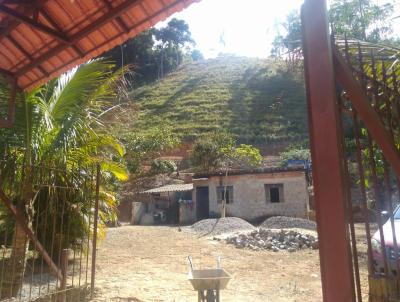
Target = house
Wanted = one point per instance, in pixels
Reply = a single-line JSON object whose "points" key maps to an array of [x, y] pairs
{"points": [[252, 194], [171, 204]]}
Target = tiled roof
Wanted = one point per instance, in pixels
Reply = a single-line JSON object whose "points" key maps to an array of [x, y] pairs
{"points": [[40, 39]]}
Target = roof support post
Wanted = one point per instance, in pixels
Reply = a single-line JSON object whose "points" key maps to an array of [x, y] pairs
{"points": [[327, 156]]}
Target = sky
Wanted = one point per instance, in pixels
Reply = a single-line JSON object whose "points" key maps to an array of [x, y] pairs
{"points": [[229, 26]]}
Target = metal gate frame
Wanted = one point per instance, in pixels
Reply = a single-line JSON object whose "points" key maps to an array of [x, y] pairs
{"points": [[59, 272], [324, 70]]}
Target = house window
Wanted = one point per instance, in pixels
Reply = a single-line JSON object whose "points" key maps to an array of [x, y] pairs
{"points": [[221, 193], [274, 193]]}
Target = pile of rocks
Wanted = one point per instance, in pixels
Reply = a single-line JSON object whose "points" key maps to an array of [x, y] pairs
{"points": [[219, 226], [283, 222], [264, 239]]}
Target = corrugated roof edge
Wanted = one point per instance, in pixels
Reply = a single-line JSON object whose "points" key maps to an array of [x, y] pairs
{"points": [[249, 171], [171, 188]]}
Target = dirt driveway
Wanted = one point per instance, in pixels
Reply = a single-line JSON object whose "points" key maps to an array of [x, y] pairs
{"points": [[148, 263]]}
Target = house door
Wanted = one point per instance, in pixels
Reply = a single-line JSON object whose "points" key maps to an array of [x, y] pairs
{"points": [[202, 203]]}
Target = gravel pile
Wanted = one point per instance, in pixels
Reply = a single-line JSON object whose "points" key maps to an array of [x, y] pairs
{"points": [[264, 239], [283, 222], [220, 226]]}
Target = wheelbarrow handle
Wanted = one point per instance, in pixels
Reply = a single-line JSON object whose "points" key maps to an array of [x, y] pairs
{"points": [[190, 262]]}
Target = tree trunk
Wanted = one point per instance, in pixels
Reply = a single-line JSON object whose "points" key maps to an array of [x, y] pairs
{"points": [[15, 265], [162, 64]]}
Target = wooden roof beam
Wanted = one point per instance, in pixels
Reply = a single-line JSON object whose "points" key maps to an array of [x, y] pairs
{"points": [[22, 2], [28, 21], [119, 19], [53, 23], [111, 15], [13, 24], [26, 54]]}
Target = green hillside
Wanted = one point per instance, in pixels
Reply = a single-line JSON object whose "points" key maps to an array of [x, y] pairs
{"points": [[252, 98]]}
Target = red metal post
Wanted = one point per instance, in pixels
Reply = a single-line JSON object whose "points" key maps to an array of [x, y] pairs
{"points": [[327, 157]]}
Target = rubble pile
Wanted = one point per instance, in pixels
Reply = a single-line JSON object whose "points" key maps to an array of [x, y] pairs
{"points": [[283, 222], [219, 226], [283, 240]]}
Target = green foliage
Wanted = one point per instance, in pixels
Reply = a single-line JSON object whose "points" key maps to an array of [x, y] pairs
{"points": [[255, 99], [245, 156], [209, 151], [218, 150], [361, 19], [155, 52], [296, 154], [159, 166], [144, 147], [290, 40], [196, 55], [357, 19], [61, 125]]}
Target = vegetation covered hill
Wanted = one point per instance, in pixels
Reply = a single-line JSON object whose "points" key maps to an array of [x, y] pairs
{"points": [[256, 100]]}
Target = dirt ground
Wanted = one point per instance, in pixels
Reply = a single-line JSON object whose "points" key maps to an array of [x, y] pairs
{"points": [[148, 263]]}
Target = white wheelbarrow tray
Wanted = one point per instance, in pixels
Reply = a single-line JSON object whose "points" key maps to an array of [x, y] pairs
{"points": [[209, 279]]}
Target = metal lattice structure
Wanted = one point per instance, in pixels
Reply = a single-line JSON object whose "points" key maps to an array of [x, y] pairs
{"points": [[353, 98], [58, 233]]}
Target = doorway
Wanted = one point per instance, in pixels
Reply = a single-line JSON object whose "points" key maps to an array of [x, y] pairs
{"points": [[202, 203]]}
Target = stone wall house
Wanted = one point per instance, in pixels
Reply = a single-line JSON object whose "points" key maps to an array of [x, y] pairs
{"points": [[252, 194]]}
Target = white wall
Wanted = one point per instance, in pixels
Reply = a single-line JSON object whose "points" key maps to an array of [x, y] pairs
{"points": [[249, 200]]}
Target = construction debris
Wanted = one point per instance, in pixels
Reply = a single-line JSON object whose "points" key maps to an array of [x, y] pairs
{"points": [[264, 239], [220, 226], [283, 222]]}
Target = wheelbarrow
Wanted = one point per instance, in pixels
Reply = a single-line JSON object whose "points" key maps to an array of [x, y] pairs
{"points": [[208, 282]]}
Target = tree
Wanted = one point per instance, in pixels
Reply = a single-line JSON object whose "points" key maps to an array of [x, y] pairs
{"points": [[218, 151], [161, 167], [154, 52], [61, 125], [243, 156], [361, 19], [196, 55], [208, 151], [144, 148], [288, 43], [138, 52], [171, 38], [302, 154], [357, 19]]}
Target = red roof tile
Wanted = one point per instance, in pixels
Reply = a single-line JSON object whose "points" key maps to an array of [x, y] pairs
{"points": [[41, 39]]}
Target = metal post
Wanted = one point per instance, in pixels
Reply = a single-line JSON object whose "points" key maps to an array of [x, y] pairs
{"points": [[95, 223], [327, 156]]}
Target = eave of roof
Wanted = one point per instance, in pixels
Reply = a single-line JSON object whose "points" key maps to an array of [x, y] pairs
{"points": [[249, 171], [41, 39], [171, 188]]}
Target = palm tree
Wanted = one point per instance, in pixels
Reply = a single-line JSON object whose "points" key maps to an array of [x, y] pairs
{"points": [[60, 124]]}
